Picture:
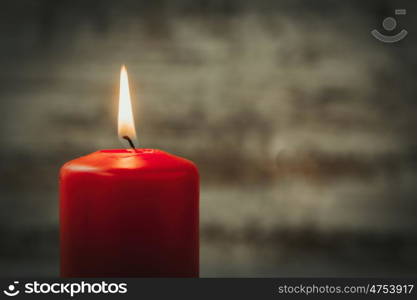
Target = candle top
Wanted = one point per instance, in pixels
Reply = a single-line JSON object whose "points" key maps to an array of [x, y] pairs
{"points": [[128, 160]]}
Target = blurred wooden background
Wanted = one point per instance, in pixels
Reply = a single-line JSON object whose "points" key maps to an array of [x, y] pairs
{"points": [[302, 125]]}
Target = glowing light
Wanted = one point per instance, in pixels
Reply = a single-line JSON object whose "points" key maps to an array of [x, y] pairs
{"points": [[126, 123]]}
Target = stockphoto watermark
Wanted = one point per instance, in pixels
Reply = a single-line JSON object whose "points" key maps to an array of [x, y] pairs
{"points": [[70, 288], [389, 25]]}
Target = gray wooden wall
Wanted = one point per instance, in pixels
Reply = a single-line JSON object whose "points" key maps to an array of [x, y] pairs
{"points": [[302, 125]]}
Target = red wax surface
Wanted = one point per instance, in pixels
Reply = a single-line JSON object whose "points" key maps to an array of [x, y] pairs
{"points": [[129, 214]]}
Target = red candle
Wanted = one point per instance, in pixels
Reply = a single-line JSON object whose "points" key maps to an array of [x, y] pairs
{"points": [[129, 213]]}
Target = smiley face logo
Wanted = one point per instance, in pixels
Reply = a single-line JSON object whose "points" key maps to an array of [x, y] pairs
{"points": [[390, 24], [11, 289]]}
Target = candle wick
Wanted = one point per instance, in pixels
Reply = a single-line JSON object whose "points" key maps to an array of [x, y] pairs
{"points": [[130, 142]]}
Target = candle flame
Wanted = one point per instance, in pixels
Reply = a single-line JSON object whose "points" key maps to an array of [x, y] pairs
{"points": [[126, 123]]}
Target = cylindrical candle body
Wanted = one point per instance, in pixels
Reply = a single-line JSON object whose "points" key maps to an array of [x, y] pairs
{"points": [[129, 214]]}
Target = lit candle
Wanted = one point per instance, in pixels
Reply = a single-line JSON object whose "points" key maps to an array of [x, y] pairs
{"points": [[129, 212]]}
